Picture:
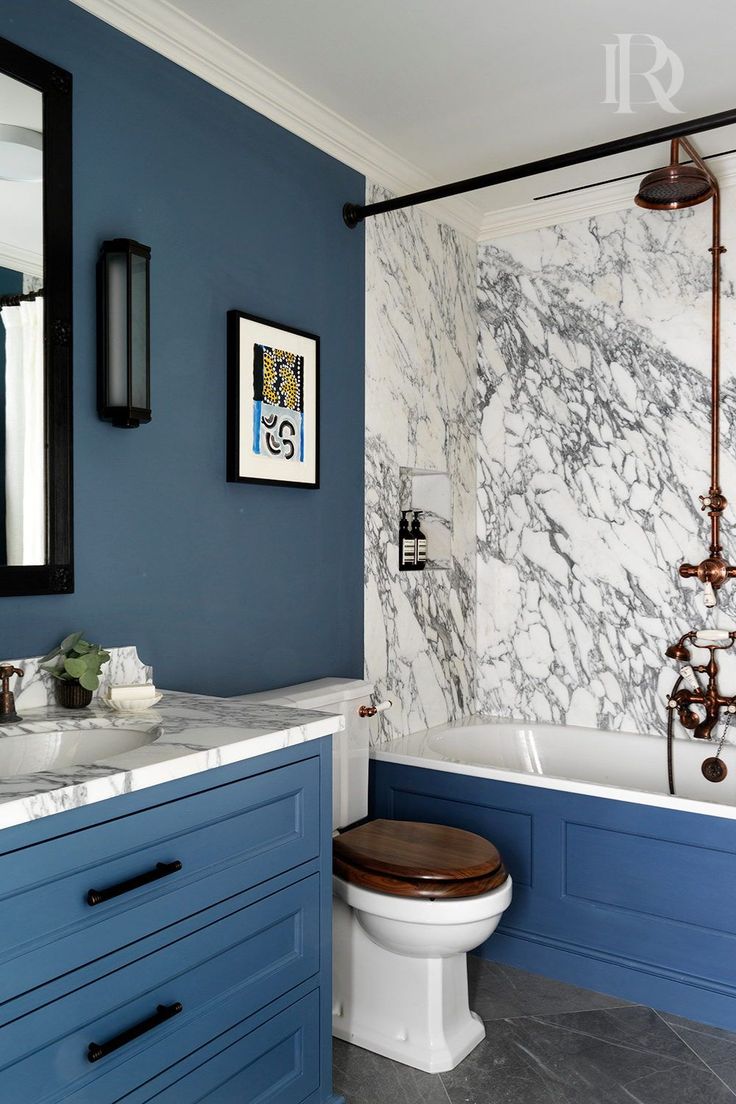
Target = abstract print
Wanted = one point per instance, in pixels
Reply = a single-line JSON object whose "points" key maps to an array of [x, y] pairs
{"points": [[278, 404]]}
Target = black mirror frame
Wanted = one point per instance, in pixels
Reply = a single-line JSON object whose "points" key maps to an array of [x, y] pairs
{"points": [[56, 576]]}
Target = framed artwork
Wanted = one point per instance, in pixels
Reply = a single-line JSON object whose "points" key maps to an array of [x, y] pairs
{"points": [[273, 403]]}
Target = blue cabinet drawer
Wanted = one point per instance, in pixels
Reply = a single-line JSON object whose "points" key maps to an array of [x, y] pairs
{"points": [[220, 974], [278, 1063], [226, 839]]}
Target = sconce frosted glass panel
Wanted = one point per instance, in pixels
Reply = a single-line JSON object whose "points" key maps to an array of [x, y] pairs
{"points": [[117, 328], [123, 386], [139, 330]]}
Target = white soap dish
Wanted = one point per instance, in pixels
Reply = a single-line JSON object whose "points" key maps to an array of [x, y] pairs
{"points": [[132, 705]]}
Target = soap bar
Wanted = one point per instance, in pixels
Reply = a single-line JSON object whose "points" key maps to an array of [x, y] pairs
{"points": [[133, 693]]}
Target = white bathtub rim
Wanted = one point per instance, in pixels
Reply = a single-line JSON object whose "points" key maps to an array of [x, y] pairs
{"points": [[414, 751]]}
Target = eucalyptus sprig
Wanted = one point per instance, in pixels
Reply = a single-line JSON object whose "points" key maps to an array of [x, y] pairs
{"points": [[76, 660]]}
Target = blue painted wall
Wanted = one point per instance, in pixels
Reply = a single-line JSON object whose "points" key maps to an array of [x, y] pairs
{"points": [[223, 587]]}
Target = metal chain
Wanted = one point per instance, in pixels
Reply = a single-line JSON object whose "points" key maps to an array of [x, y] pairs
{"points": [[724, 734]]}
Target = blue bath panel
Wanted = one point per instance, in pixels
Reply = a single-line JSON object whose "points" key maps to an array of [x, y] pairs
{"points": [[510, 830], [651, 877], [629, 899]]}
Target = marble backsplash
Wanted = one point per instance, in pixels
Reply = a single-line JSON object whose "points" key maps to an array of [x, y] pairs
{"points": [[592, 451], [421, 328], [35, 688]]}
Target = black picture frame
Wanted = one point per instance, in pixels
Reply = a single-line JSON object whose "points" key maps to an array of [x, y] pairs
{"points": [[236, 372], [56, 576]]}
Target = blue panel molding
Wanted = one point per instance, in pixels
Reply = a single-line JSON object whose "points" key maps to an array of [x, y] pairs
{"points": [[650, 876], [633, 900], [242, 942], [513, 831]]}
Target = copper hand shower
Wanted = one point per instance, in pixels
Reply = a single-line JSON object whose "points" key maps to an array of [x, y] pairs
{"points": [[670, 189]]}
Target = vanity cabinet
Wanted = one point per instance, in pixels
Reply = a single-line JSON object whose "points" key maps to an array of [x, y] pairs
{"points": [[173, 944]]}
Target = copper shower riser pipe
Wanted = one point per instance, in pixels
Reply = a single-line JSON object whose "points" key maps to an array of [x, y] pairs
{"points": [[716, 368], [715, 360]]}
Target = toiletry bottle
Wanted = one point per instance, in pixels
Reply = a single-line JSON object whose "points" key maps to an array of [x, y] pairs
{"points": [[421, 543], [407, 545]]}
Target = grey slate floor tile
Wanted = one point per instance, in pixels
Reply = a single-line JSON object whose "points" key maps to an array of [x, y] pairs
{"points": [[634, 1027], [585, 1064], [499, 1072], [499, 992], [366, 1078], [549, 1043], [717, 1048]]}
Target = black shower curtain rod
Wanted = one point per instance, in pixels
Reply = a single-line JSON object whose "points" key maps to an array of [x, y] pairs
{"points": [[353, 213], [16, 298]]}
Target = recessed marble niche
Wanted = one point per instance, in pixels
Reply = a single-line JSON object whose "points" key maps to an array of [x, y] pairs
{"points": [[430, 492]]}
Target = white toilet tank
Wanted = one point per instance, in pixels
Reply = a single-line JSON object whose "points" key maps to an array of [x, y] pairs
{"points": [[349, 748]]}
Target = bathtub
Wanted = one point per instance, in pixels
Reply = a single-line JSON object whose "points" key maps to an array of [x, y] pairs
{"points": [[617, 765], [618, 886]]}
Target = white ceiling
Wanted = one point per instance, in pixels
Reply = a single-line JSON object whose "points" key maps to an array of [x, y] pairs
{"points": [[428, 91]]}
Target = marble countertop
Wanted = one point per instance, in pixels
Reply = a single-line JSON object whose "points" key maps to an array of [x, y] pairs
{"points": [[185, 734]]}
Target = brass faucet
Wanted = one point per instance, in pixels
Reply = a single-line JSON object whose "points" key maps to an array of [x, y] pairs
{"points": [[8, 714], [710, 698]]}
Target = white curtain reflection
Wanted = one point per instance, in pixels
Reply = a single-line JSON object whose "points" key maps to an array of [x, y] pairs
{"points": [[25, 504]]}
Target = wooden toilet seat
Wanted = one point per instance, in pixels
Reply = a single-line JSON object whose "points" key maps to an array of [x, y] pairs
{"points": [[410, 859]]}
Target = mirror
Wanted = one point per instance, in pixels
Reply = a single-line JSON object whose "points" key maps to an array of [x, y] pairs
{"points": [[35, 325]]}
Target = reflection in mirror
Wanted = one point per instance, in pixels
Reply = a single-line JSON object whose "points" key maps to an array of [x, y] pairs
{"points": [[36, 523], [23, 538]]}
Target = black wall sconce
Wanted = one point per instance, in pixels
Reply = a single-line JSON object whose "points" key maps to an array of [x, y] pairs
{"points": [[123, 333]]}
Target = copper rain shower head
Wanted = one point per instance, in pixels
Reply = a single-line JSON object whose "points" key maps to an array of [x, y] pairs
{"points": [[675, 186]]}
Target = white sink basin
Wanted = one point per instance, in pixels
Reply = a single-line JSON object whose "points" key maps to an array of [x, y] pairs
{"points": [[59, 749]]}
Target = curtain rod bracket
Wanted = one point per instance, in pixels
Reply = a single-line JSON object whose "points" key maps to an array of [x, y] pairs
{"points": [[352, 214]]}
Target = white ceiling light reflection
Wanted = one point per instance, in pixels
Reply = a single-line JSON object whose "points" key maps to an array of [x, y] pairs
{"points": [[21, 154]]}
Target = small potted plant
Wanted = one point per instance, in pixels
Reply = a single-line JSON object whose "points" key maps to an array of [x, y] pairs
{"points": [[76, 666]]}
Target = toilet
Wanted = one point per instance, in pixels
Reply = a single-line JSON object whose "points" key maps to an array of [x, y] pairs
{"points": [[409, 901]]}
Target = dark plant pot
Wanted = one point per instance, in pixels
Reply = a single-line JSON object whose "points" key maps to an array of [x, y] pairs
{"points": [[71, 695]]}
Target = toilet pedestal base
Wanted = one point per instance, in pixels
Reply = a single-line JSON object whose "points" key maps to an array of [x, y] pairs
{"points": [[413, 1010]]}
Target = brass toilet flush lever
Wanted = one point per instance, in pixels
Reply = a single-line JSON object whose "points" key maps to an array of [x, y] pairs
{"points": [[8, 714], [371, 710]]}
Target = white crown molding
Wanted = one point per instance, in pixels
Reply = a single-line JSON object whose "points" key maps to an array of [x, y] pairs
{"points": [[161, 26], [584, 204], [22, 260]]}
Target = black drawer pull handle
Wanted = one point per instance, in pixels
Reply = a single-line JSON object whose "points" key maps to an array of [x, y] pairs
{"points": [[164, 1012], [161, 870]]}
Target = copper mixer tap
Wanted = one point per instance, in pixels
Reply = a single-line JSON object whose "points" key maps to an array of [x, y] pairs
{"points": [[683, 698]]}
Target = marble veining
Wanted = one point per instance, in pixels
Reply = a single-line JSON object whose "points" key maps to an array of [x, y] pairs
{"points": [[191, 733], [592, 450], [35, 688], [420, 414]]}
